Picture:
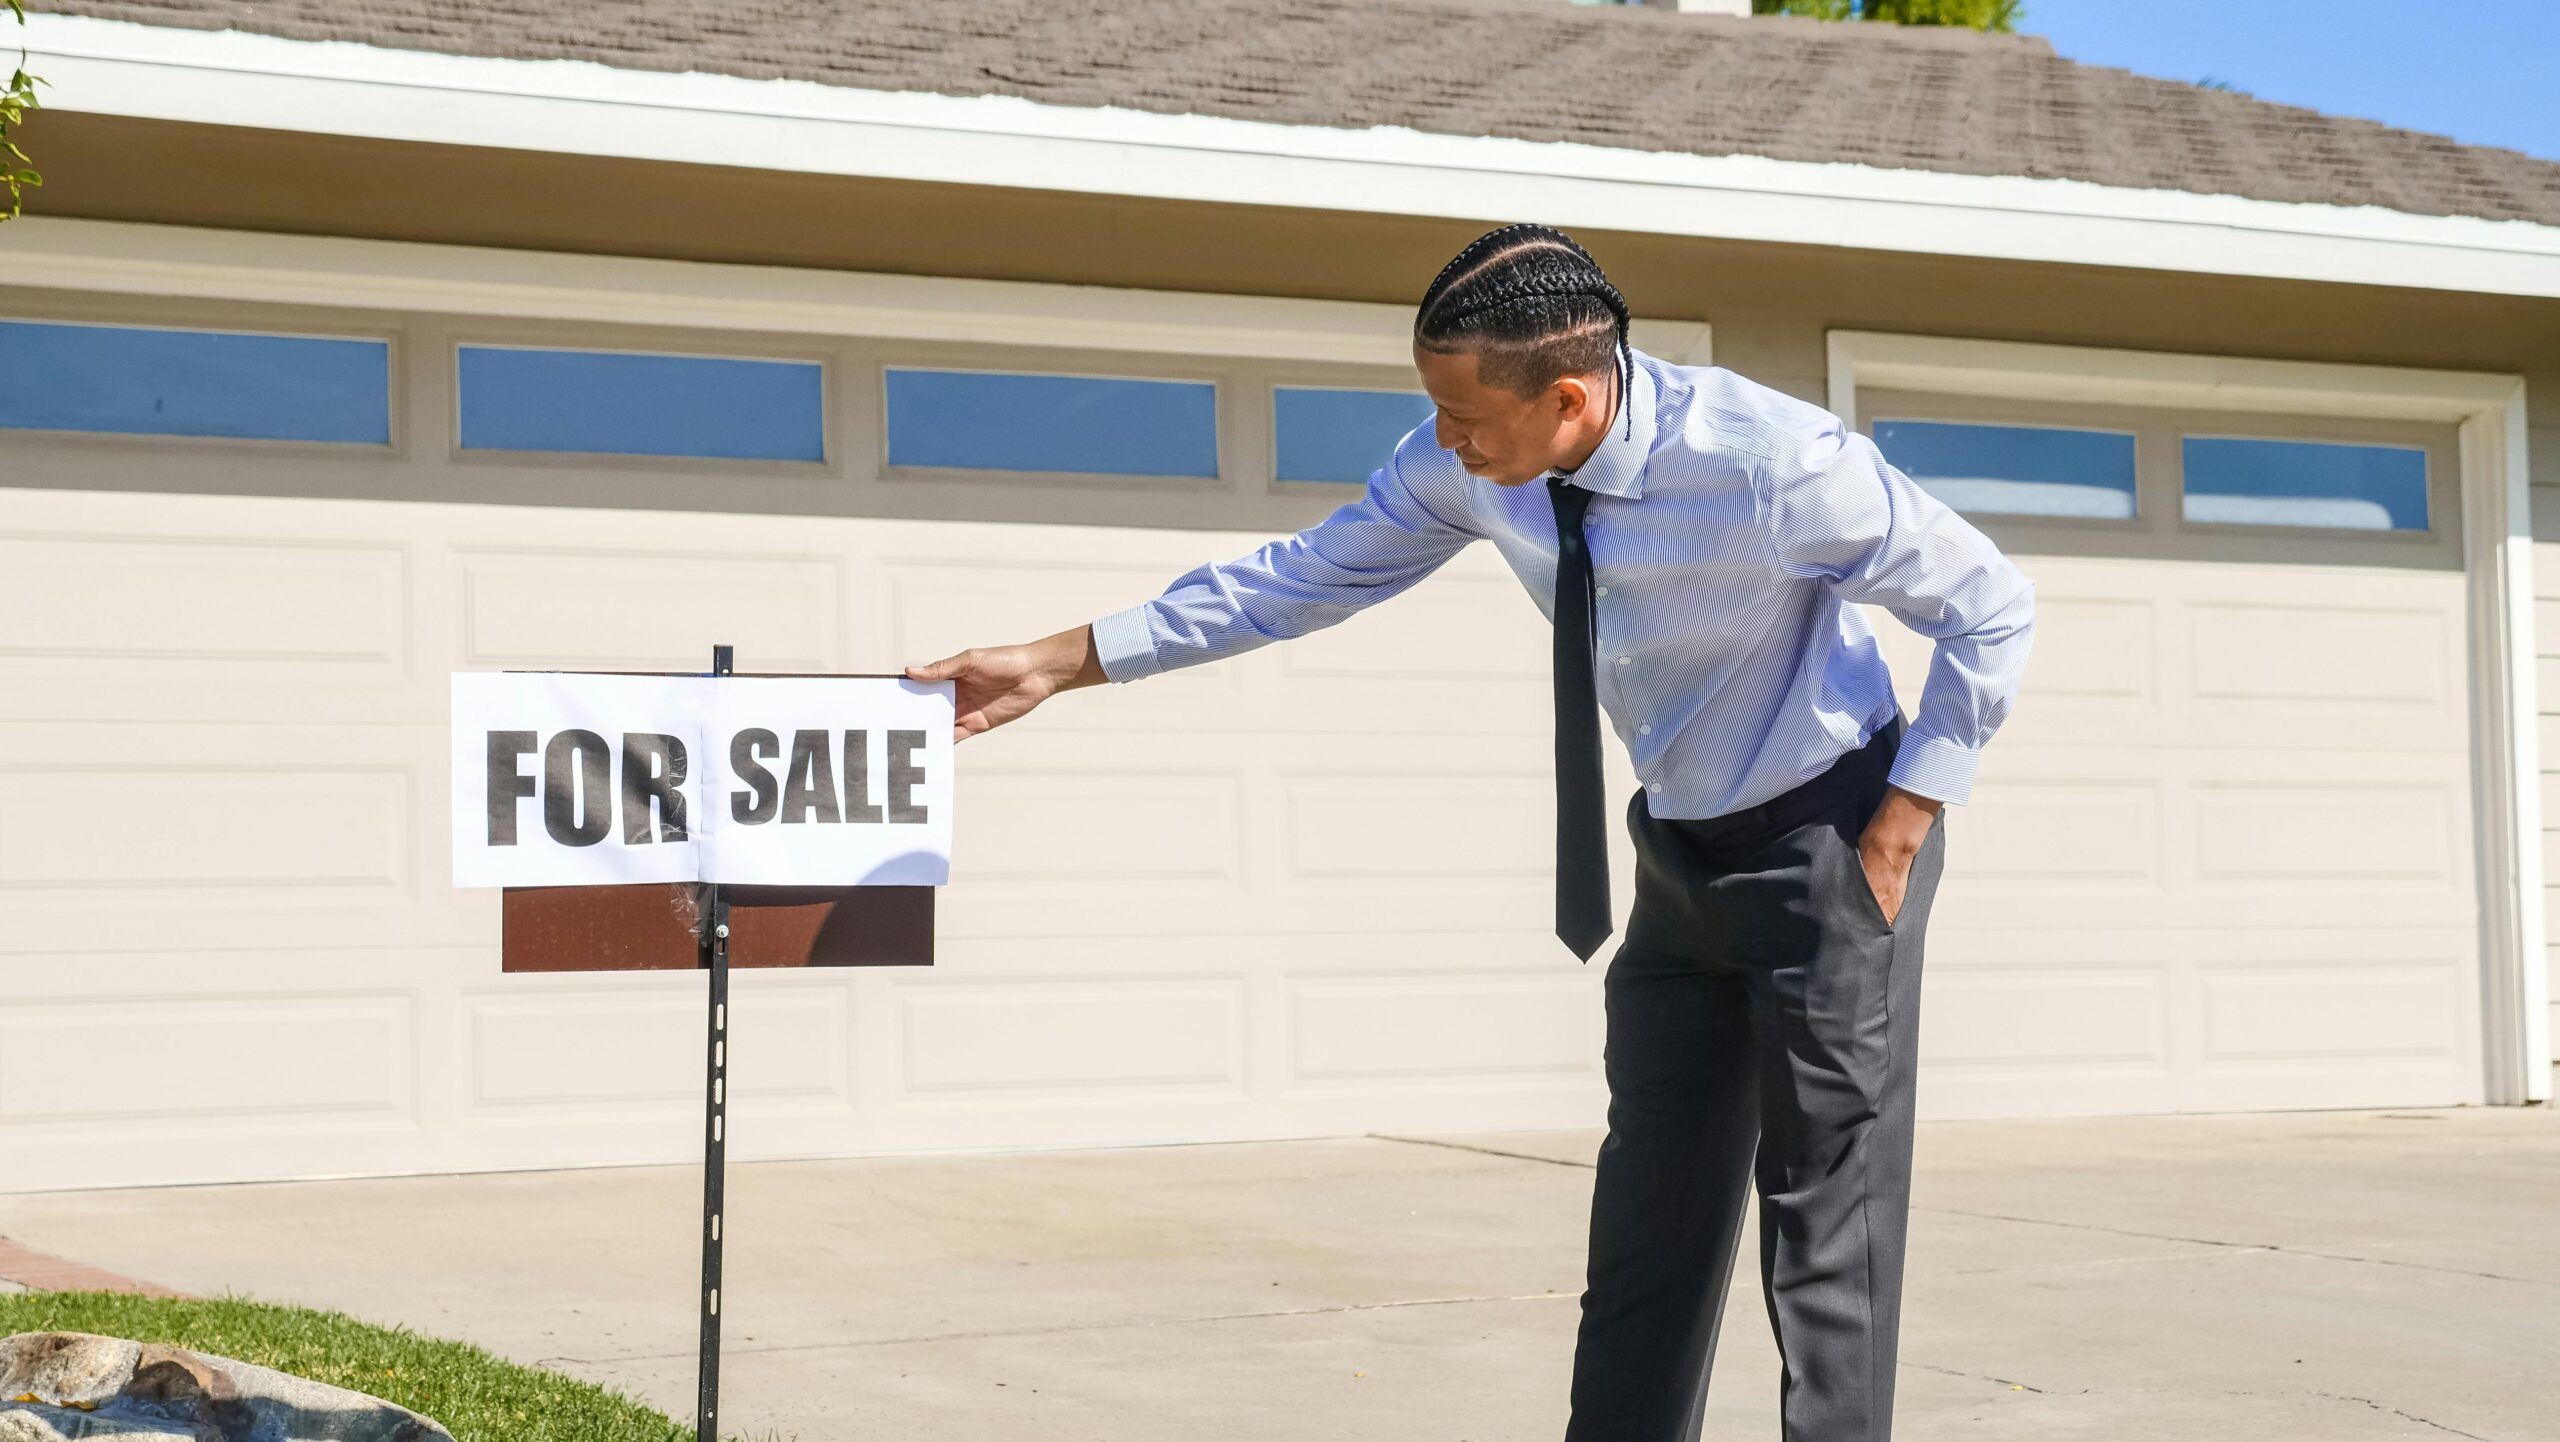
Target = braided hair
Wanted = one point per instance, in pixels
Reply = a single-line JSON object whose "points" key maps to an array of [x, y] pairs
{"points": [[1534, 307]]}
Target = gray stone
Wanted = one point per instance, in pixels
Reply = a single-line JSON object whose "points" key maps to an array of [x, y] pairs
{"points": [[34, 1422], [56, 1386], [66, 1369]]}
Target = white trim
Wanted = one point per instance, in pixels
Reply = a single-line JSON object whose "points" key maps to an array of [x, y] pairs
{"points": [[90, 255], [2489, 411], [229, 78]]}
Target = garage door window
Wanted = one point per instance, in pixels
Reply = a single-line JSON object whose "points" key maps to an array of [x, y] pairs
{"points": [[2315, 484], [133, 380], [2094, 477], [1327, 433], [1078, 425], [2015, 470], [626, 404]]}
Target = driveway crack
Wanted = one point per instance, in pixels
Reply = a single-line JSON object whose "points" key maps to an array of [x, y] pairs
{"points": [[2239, 1246], [1488, 1151], [2397, 1412], [2376, 1406], [979, 1334], [2009, 1382]]}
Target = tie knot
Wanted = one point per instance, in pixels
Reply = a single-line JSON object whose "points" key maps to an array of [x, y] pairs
{"points": [[1569, 499]]}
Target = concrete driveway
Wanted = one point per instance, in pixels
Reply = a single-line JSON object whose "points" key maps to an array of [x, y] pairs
{"points": [[2331, 1276]]}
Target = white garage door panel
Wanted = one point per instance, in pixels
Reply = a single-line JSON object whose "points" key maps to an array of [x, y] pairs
{"points": [[2119, 1018], [98, 624], [1395, 1025], [2263, 651], [646, 610], [201, 600], [1206, 833], [1031, 1036], [2228, 655], [2054, 1036], [1158, 829], [1383, 829], [223, 836], [2221, 856], [209, 1060], [549, 1051], [2227, 838]]}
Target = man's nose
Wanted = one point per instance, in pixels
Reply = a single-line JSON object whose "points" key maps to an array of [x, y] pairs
{"points": [[1443, 432]]}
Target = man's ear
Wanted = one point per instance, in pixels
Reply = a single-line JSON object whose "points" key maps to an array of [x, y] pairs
{"points": [[1571, 395]]}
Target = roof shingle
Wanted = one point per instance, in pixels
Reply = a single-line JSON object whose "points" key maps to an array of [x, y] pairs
{"points": [[1638, 79]]}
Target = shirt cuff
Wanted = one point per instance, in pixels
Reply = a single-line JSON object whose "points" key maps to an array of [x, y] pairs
{"points": [[1124, 645], [1935, 767]]}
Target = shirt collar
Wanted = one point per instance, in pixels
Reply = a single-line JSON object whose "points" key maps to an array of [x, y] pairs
{"points": [[1617, 467]]}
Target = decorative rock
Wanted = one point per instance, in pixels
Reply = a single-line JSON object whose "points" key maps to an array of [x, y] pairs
{"points": [[65, 1369], [60, 1386], [32, 1422]]}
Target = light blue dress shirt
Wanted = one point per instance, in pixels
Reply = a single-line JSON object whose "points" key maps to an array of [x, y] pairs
{"points": [[1731, 535]]}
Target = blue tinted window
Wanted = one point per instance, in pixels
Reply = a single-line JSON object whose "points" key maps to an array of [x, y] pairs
{"points": [[988, 421], [617, 404], [132, 381], [2015, 470], [1341, 435], [2306, 483]]}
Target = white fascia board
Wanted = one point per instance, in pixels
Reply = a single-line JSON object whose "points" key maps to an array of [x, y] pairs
{"points": [[581, 108]]}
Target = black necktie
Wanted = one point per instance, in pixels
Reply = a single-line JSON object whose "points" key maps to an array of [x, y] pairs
{"points": [[1582, 834]]}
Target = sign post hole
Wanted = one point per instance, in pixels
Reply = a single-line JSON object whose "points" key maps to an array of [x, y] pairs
{"points": [[714, 923]]}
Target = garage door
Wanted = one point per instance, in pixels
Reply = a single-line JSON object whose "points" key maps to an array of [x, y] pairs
{"points": [[2220, 858], [2222, 855]]}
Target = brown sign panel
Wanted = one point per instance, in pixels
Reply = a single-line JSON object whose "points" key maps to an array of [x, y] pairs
{"points": [[653, 928]]}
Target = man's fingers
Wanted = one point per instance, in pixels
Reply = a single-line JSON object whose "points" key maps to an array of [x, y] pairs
{"points": [[942, 670], [992, 689]]}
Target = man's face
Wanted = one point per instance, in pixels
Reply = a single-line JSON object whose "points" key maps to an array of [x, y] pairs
{"points": [[1507, 438]]}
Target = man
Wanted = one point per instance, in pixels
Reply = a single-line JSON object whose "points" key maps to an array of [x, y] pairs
{"points": [[1701, 543]]}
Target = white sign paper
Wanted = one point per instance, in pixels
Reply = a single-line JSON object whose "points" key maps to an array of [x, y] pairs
{"points": [[568, 779]]}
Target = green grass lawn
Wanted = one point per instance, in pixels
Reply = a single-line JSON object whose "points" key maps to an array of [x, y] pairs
{"points": [[478, 1396]]}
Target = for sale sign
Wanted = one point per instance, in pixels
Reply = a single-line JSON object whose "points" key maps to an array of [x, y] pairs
{"points": [[571, 779]]}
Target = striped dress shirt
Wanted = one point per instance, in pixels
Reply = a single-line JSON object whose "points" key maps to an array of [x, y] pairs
{"points": [[1733, 530]]}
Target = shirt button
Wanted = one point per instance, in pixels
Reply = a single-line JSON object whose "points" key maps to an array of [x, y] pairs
{"points": [[1626, 660], [1602, 591], [1645, 729], [1653, 786]]}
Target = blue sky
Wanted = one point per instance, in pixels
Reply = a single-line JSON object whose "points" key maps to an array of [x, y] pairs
{"points": [[2482, 71]]}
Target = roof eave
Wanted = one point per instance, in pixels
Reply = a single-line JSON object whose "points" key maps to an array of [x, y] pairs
{"points": [[573, 107]]}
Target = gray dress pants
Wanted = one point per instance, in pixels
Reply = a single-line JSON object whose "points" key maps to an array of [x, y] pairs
{"points": [[1763, 1021]]}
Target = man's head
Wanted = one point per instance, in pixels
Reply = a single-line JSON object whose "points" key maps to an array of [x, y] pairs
{"points": [[1520, 343]]}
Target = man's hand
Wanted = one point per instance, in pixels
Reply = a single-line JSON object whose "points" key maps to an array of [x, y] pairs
{"points": [[1892, 838], [995, 684]]}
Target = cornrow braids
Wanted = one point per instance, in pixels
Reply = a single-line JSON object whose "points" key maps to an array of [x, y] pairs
{"points": [[1533, 306]]}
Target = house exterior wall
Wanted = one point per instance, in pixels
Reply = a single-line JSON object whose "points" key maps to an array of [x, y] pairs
{"points": [[1772, 308]]}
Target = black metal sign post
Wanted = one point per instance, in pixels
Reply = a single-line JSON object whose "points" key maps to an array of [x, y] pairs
{"points": [[680, 924], [715, 1149]]}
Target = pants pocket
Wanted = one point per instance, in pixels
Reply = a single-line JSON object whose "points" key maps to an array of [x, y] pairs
{"points": [[1849, 823]]}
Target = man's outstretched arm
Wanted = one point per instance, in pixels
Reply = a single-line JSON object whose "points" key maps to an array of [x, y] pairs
{"points": [[1373, 548]]}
